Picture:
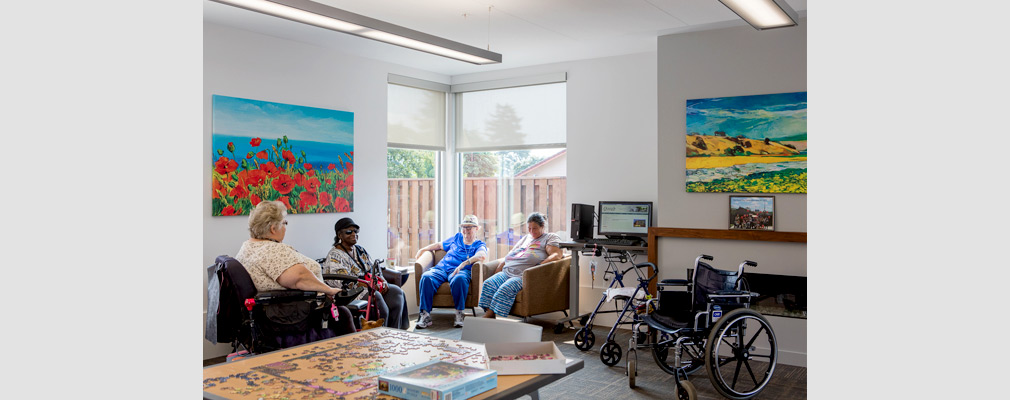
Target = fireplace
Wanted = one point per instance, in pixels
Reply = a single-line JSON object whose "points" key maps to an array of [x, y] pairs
{"points": [[780, 295]]}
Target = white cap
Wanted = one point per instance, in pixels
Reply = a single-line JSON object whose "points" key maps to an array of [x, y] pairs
{"points": [[469, 220]]}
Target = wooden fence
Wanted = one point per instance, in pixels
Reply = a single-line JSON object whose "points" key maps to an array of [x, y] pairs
{"points": [[412, 212]]}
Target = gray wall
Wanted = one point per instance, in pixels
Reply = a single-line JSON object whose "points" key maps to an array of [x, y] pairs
{"points": [[728, 62]]}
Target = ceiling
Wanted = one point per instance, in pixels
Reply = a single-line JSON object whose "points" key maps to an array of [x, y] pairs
{"points": [[525, 32]]}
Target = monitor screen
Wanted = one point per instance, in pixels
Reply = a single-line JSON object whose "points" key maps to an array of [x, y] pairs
{"points": [[625, 218]]}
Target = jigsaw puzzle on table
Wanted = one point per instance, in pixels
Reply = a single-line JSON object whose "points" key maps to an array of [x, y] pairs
{"points": [[345, 367]]}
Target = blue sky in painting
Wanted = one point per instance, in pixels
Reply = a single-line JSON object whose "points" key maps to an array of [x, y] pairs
{"points": [[753, 203], [234, 116], [757, 117]]}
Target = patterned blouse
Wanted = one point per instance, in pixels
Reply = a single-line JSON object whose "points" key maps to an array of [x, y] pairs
{"points": [[339, 262], [266, 261]]}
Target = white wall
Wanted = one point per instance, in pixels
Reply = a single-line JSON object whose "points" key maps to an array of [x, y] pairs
{"points": [[728, 62], [242, 64]]}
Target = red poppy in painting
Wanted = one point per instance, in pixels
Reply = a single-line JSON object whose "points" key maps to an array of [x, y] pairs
{"points": [[254, 177], [228, 211], [307, 199], [270, 169], [262, 154], [312, 184], [285, 201], [225, 165], [283, 184], [331, 167], [324, 199], [254, 199], [329, 181], [239, 191], [288, 156], [339, 185], [349, 167], [307, 166], [300, 179], [341, 204], [310, 173], [255, 141], [249, 155]]}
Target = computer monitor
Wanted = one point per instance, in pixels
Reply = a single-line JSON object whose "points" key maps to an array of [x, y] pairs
{"points": [[625, 218]]}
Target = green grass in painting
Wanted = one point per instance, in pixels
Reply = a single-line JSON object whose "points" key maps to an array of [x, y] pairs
{"points": [[785, 181]]}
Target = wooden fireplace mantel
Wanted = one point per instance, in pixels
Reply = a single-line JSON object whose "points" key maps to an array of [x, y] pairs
{"points": [[657, 232]]}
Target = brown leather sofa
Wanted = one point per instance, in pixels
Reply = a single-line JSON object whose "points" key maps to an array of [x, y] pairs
{"points": [[545, 287], [443, 296]]}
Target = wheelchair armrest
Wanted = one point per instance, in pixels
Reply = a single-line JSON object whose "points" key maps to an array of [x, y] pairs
{"points": [[674, 282], [280, 296], [339, 277], [357, 305]]}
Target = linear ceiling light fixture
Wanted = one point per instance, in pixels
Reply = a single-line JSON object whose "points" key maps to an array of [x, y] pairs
{"points": [[763, 14], [323, 16]]}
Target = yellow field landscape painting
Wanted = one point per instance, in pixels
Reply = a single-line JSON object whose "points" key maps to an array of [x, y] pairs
{"points": [[747, 144]]}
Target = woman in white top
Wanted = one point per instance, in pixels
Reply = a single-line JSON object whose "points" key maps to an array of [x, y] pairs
{"points": [[537, 247], [273, 265]]}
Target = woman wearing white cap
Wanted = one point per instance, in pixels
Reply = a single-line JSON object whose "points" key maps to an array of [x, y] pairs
{"points": [[461, 251]]}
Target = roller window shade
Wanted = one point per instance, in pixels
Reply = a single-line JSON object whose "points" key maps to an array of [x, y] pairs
{"points": [[416, 118], [515, 118]]}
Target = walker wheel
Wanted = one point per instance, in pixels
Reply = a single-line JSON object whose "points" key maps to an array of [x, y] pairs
{"points": [[584, 339], [610, 354]]}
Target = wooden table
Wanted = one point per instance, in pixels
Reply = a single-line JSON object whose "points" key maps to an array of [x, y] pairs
{"points": [[348, 367]]}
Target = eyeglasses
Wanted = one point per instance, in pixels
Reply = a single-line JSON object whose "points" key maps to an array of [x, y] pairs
{"points": [[468, 227], [351, 231]]}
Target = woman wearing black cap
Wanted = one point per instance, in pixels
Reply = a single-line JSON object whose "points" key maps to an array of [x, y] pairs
{"points": [[348, 258]]}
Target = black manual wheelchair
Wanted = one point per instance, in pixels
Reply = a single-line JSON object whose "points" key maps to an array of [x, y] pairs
{"points": [[260, 322], [708, 325]]}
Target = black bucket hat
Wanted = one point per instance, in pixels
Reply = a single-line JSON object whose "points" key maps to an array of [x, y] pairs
{"points": [[344, 223]]}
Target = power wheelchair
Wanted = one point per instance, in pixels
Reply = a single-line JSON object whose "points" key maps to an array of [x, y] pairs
{"points": [[260, 322], [708, 325]]}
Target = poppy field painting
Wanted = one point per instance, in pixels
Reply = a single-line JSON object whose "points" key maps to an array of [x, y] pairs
{"points": [[747, 144], [301, 156]]}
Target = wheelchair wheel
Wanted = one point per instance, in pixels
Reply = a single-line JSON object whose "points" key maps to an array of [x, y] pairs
{"points": [[632, 367], [740, 354], [584, 339], [686, 391], [691, 356], [610, 354]]}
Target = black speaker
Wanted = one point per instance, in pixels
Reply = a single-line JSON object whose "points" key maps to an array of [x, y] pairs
{"points": [[582, 221]]}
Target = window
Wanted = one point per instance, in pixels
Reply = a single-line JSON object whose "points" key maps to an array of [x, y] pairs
{"points": [[416, 122], [511, 150]]}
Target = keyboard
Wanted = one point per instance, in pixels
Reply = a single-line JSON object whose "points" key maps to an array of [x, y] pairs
{"points": [[614, 242]]}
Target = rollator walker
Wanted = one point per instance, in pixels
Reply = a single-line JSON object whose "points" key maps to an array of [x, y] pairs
{"points": [[628, 301]]}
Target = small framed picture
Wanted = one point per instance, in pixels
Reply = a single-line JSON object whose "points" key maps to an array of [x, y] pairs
{"points": [[753, 213]]}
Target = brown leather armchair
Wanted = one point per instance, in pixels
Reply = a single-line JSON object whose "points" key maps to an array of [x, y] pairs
{"points": [[443, 296], [545, 287]]}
